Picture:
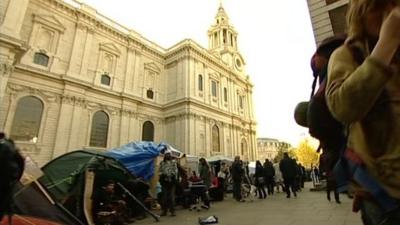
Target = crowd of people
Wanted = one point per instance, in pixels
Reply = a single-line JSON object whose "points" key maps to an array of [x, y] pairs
{"points": [[213, 182]]}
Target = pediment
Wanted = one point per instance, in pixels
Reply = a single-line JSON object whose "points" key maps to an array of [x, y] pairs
{"points": [[110, 47], [50, 21], [152, 66]]}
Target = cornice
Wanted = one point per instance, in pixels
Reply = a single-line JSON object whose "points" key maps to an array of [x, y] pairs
{"points": [[207, 119], [189, 48], [48, 96], [126, 36], [190, 102]]}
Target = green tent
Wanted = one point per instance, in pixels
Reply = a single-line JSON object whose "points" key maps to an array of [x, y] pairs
{"points": [[67, 179]]}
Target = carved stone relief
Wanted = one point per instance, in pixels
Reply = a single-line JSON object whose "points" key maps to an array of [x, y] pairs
{"points": [[6, 68]]}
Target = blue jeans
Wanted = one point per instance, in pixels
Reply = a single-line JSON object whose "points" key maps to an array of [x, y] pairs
{"points": [[373, 214]]}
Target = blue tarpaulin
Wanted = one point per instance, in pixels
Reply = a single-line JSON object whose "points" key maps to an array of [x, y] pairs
{"points": [[138, 157]]}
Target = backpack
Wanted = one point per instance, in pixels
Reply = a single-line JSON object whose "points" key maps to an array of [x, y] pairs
{"points": [[315, 114], [345, 165]]}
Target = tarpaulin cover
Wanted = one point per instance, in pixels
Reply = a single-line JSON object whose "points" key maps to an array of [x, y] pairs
{"points": [[138, 157]]}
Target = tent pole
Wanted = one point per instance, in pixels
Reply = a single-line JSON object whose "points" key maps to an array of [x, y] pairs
{"points": [[44, 192]]}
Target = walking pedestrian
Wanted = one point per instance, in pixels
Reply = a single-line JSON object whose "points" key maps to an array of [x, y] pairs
{"points": [[260, 180], [289, 171]]}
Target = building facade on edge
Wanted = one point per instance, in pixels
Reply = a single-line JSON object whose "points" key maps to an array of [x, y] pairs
{"points": [[328, 17], [70, 79], [268, 148]]}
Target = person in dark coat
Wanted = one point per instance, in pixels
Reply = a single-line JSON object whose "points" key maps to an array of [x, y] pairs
{"points": [[326, 167], [260, 180], [237, 177], [269, 172], [205, 175], [289, 171]]}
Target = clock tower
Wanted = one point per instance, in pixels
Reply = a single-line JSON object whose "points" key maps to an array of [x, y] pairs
{"points": [[222, 41]]}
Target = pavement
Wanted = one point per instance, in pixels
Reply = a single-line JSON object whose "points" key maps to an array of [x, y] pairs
{"points": [[309, 208]]}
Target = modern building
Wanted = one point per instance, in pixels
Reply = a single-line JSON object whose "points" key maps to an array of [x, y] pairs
{"points": [[328, 17], [268, 148], [71, 78]]}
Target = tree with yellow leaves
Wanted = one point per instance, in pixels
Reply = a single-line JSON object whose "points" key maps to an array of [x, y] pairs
{"points": [[306, 154]]}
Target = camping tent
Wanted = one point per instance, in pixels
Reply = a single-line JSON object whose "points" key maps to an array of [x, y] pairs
{"points": [[138, 157], [70, 179], [217, 158], [31, 200]]}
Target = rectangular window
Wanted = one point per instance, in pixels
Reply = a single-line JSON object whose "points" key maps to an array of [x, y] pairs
{"points": [[225, 94], [338, 19], [224, 35], [41, 59], [241, 102], [214, 88], [200, 81]]}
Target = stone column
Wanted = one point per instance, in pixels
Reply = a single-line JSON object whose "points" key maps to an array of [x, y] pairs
{"points": [[14, 18], [87, 52], [136, 74], [124, 127], [75, 61], [76, 125], [130, 69], [64, 126]]}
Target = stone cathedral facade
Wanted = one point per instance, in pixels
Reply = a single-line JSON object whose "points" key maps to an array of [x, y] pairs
{"points": [[71, 79]]}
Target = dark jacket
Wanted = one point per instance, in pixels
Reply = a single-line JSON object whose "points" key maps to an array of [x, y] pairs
{"points": [[269, 169], [237, 172], [288, 167], [259, 175]]}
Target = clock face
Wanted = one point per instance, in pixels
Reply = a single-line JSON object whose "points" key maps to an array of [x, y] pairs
{"points": [[238, 63]]}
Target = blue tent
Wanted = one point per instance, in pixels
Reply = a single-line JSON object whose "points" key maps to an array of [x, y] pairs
{"points": [[138, 157]]}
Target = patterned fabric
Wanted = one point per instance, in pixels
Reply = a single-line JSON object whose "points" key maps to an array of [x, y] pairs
{"points": [[169, 168]]}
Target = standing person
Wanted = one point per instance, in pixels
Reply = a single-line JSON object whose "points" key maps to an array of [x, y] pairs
{"points": [[289, 171], [237, 177], [326, 167], [363, 95], [278, 179], [168, 180], [205, 175], [314, 175], [297, 180], [223, 175], [269, 176], [260, 180], [303, 175]]}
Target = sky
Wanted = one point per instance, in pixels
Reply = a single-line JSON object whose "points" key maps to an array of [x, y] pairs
{"points": [[274, 37]]}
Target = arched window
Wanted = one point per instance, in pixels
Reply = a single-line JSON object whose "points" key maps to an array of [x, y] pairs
{"points": [[105, 79], [27, 118], [148, 131], [243, 147], [214, 88], [200, 82], [215, 139], [99, 133], [41, 59]]}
